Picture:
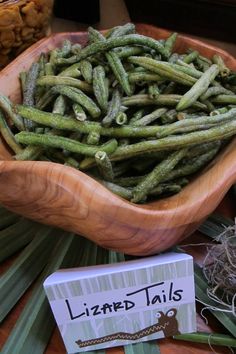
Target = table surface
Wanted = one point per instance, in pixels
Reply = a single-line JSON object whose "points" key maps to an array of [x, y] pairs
{"points": [[227, 208]]}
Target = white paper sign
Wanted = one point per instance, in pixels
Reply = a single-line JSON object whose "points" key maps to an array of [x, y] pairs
{"points": [[103, 306]]}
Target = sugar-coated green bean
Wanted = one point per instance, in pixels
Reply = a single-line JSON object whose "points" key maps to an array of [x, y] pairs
{"points": [[151, 117], [46, 99], [110, 43], [219, 111], [93, 138], [121, 118], [23, 76], [65, 50], [119, 31], [79, 112], [31, 152], [64, 143], [169, 116], [125, 52], [136, 77], [79, 97], [113, 109], [198, 88], [76, 48], [226, 130], [137, 115], [180, 65], [169, 189], [164, 69], [214, 91], [193, 123], [157, 175], [59, 122], [170, 42], [51, 80], [161, 100], [224, 70], [7, 107], [71, 71], [119, 71], [59, 106], [153, 90], [100, 87], [193, 166], [86, 70], [116, 189], [8, 136], [189, 58], [104, 165], [49, 69], [225, 99]]}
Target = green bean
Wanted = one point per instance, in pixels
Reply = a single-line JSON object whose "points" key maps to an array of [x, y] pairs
{"points": [[193, 166], [189, 58], [164, 69], [113, 108], [31, 152], [136, 77], [59, 122], [114, 62], [79, 97], [72, 71], [137, 115], [65, 50], [121, 118], [119, 31], [79, 112], [46, 99], [225, 130], [214, 91], [49, 69], [104, 165], [100, 87], [153, 91], [226, 99], [149, 118], [130, 39], [161, 100], [186, 68], [163, 188], [116, 189], [23, 76], [157, 175], [8, 135], [125, 52], [169, 89], [7, 107], [219, 111], [173, 58], [59, 106], [224, 70], [64, 143], [66, 160], [86, 70], [93, 138], [119, 71], [204, 66], [76, 48], [170, 42], [186, 125], [169, 117], [51, 80], [198, 88]]}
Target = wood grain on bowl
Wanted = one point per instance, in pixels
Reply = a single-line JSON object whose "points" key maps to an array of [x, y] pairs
{"points": [[62, 196]]}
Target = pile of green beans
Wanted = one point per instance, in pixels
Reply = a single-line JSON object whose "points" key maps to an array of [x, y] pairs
{"points": [[126, 109]]}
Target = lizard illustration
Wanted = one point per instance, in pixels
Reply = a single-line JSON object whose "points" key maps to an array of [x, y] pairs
{"points": [[166, 323]]}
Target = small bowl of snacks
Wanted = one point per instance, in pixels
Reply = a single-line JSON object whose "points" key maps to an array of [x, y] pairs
{"points": [[126, 137]]}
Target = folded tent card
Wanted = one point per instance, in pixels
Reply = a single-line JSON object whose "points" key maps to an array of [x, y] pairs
{"points": [[117, 304]]}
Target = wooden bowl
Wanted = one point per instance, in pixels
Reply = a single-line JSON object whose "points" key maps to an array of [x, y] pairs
{"points": [[62, 196]]}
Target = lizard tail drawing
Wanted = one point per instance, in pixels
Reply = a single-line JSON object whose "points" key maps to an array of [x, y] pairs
{"points": [[166, 323]]}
